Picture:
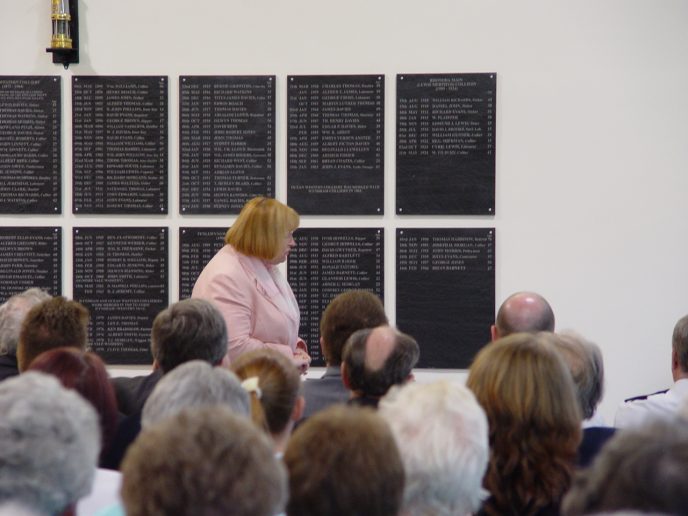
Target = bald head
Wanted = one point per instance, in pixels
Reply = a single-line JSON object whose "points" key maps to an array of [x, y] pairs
{"points": [[375, 359], [379, 346], [523, 312]]}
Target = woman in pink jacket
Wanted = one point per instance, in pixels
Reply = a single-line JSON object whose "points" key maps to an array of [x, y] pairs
{"points": [[244, 283]]}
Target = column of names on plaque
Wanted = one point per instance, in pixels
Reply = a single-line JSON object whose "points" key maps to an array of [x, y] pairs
{"points": [[445, 292], [30, 150], [120, 274], [446, 144], [119, 130], [227, 141], [327, 262], [196, 247], [30, 257], [335, 144]]}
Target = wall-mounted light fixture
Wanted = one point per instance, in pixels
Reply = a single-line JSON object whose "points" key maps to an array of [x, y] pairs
{"points": [[65, 41]]}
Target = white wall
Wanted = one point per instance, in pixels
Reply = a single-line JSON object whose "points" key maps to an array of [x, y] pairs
{"points": [[592, 132]]}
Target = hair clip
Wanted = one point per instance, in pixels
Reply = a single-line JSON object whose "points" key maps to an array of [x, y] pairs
{"points": [[251, 385]]}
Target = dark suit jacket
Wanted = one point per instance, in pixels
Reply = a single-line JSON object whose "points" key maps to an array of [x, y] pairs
{"points": [[8, 367], [133, 392], [592, 442], [127, 431], [322, 392]]}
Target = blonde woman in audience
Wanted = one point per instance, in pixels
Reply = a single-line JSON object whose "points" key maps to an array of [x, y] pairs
{"points": [[527, 392], [274, 387]]}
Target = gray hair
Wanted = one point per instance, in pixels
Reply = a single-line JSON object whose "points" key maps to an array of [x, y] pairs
{"points": [[442, 434], [640, 469], [584, 359], [12, 314], [679, 342], [49, 443], [192, 329], [194, 384]]}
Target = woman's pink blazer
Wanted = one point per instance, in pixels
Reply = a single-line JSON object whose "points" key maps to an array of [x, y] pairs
{"points": [[256, 314]]}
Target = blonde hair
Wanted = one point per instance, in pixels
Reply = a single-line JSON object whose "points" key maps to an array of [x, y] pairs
{"points": [[276, 389], [527, 392], [261, 227]]}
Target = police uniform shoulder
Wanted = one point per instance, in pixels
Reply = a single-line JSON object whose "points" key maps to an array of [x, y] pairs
{"points": [[645, 396]]}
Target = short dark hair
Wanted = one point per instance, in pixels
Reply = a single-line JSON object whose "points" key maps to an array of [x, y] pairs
{"points": [[642, 469], [348, 312], [679, 342], [54, 323], [204, 461], [192, 329], [395, 370], [344, 461]]}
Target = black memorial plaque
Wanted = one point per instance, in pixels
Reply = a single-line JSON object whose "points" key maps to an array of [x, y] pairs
{"points": [[30, 150], [120, 275], [119, 131], [226, 142], [30, 257], [335, 150], [445, 292], [446, 144], [327, 262], [196, 247]]}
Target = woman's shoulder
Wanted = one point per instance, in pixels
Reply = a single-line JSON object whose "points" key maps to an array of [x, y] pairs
{"points": [[224, 267]]}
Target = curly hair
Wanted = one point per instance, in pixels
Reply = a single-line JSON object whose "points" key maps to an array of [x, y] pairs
{"points": [[529, 397]]}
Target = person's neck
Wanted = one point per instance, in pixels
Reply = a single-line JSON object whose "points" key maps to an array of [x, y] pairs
{"points": [[281, 439]]}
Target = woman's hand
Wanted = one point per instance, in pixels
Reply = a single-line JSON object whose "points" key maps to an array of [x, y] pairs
{"points": [[302, 360]]}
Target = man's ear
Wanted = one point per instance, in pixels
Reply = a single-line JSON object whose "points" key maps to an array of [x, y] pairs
{"points": [[410, 378], [494, 332], [345, 376], [156, 365], [299, 407]]}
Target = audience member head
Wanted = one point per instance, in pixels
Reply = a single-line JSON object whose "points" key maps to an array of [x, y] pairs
{"points": [[273, 384], [192, 329], [584, 360], [641, 469], [194, 384], [344, 461], [54, 323], [523, 312], [441, 431], [527, 392], [377, 358], [261, 226], [679, 344], [203, 461], [12, 314], [49, 444], [16, 509], [84, 372], [348, 312]]}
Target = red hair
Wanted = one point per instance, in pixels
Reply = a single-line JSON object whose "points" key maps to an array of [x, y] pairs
{"points": [[84, 372]]}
